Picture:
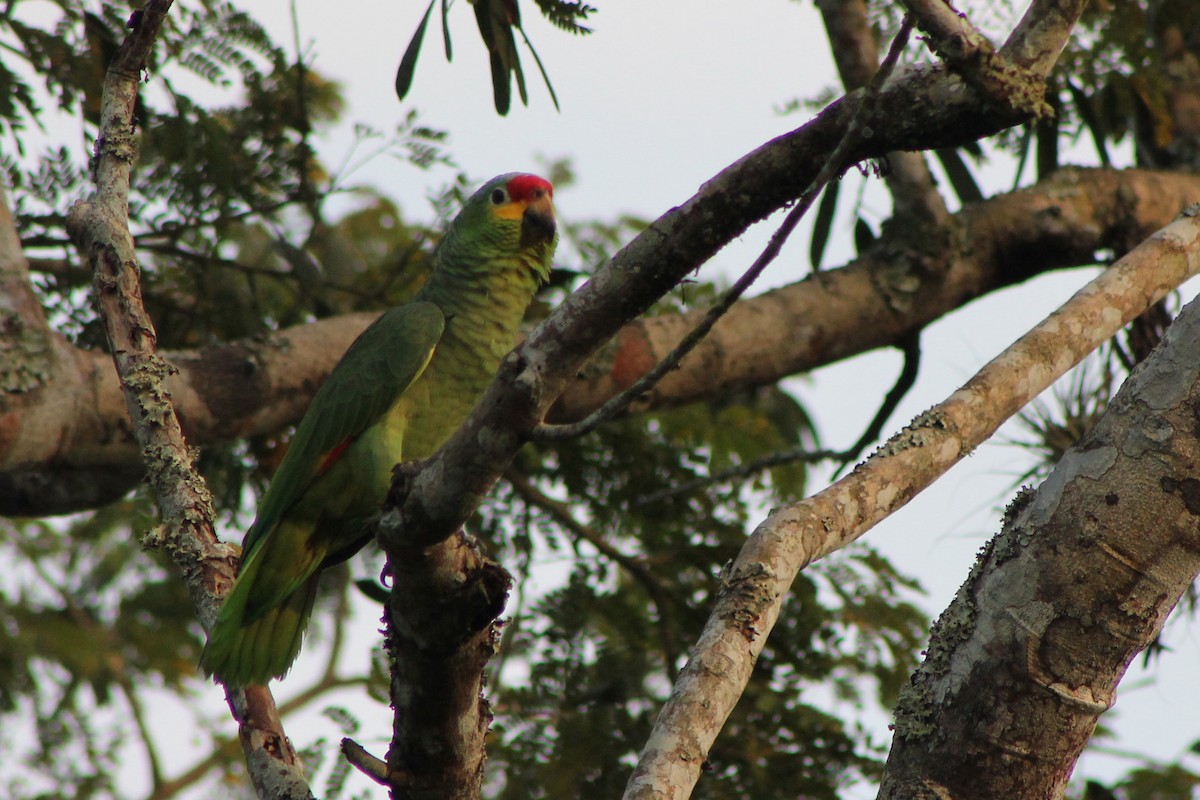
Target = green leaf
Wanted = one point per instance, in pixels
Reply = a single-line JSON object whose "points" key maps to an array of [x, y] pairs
{"points": [[1098, 791], [959, 174], [446, 29], [1087, 112], [373, 590], [408, 63], [566, 14], [541, 69], [823, 223], [864, 237]]}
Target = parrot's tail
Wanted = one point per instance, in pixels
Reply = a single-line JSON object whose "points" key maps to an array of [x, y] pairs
{"points": [[251, 648]]}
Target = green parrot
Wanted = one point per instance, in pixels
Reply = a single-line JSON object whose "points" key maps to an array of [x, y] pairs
{"points": [[398, 393]]}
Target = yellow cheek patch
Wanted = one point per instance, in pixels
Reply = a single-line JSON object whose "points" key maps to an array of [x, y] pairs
{"points": [[514, 210]]}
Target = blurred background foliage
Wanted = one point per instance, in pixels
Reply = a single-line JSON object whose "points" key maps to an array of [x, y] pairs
{"points": [[230, 213]]}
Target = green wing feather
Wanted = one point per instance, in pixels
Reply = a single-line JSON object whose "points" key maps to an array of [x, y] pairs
{"points": [[375, 371]]}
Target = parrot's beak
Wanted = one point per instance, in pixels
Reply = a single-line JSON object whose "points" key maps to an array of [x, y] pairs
{"points": [[538, 225]]}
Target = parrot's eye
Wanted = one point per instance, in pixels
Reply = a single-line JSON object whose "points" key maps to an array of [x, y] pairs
{"points": [[499, 196]]}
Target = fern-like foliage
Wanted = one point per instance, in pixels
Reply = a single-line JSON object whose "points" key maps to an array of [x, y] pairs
{"points": [[566, 15]]}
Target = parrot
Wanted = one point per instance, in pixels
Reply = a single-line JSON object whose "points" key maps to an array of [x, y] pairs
{"points": [[404, 385]]}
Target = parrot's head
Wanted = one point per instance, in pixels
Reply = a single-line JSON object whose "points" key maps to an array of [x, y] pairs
{"points": [[518, 211]]}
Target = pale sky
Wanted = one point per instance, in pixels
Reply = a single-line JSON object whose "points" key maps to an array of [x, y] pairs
{"points": [[661, 97]]}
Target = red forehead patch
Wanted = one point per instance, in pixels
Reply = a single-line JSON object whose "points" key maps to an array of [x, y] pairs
{"points": [[528, 187]]}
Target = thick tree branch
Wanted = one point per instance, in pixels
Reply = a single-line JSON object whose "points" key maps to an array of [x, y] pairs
{"points": [[100, 228], [795, 536], [66, 442], [1081, 578], [27, 347], [440, 635], [1070, 219]]}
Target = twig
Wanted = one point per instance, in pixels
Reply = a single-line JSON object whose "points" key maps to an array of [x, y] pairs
{"points": [[855, 133], [915, 196], [374, 768], [139, 720], [910, 346], [561, 512], [796, 455]]}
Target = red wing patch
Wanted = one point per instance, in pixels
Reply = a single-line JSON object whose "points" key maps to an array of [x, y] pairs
{"points": [[333, 455]]}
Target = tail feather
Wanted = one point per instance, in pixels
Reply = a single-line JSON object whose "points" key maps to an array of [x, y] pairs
{"points": [[251, 648]]}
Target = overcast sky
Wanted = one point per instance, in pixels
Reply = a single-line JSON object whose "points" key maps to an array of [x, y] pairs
{"points": [[661, 97]]}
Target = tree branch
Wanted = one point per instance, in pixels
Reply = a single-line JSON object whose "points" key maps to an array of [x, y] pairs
{"points": [[430, 501], [66, 442], [440, 633], [794, 536], [456, 478], [100, 228], [1081, 578], [915, 198], [920, 108], [853, 135], [898, 287], [1002, 81]]}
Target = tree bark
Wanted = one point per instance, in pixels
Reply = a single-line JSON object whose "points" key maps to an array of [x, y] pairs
{"points": [[1081, 579], [440, 636]]}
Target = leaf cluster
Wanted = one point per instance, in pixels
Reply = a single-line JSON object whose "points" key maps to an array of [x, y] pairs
{"points": [[90, 619], [499, 21], [601, 651], [228, 207], [569, 15], [1124, 81], [1150, 781]]}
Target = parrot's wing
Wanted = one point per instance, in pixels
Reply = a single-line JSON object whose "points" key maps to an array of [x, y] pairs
{"points": [[375, 371]]}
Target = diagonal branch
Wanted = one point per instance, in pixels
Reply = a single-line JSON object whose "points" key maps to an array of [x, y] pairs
{"points": [[918, 108], [854, 134], [1081, 578], [794, 536], [100, 228]]}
